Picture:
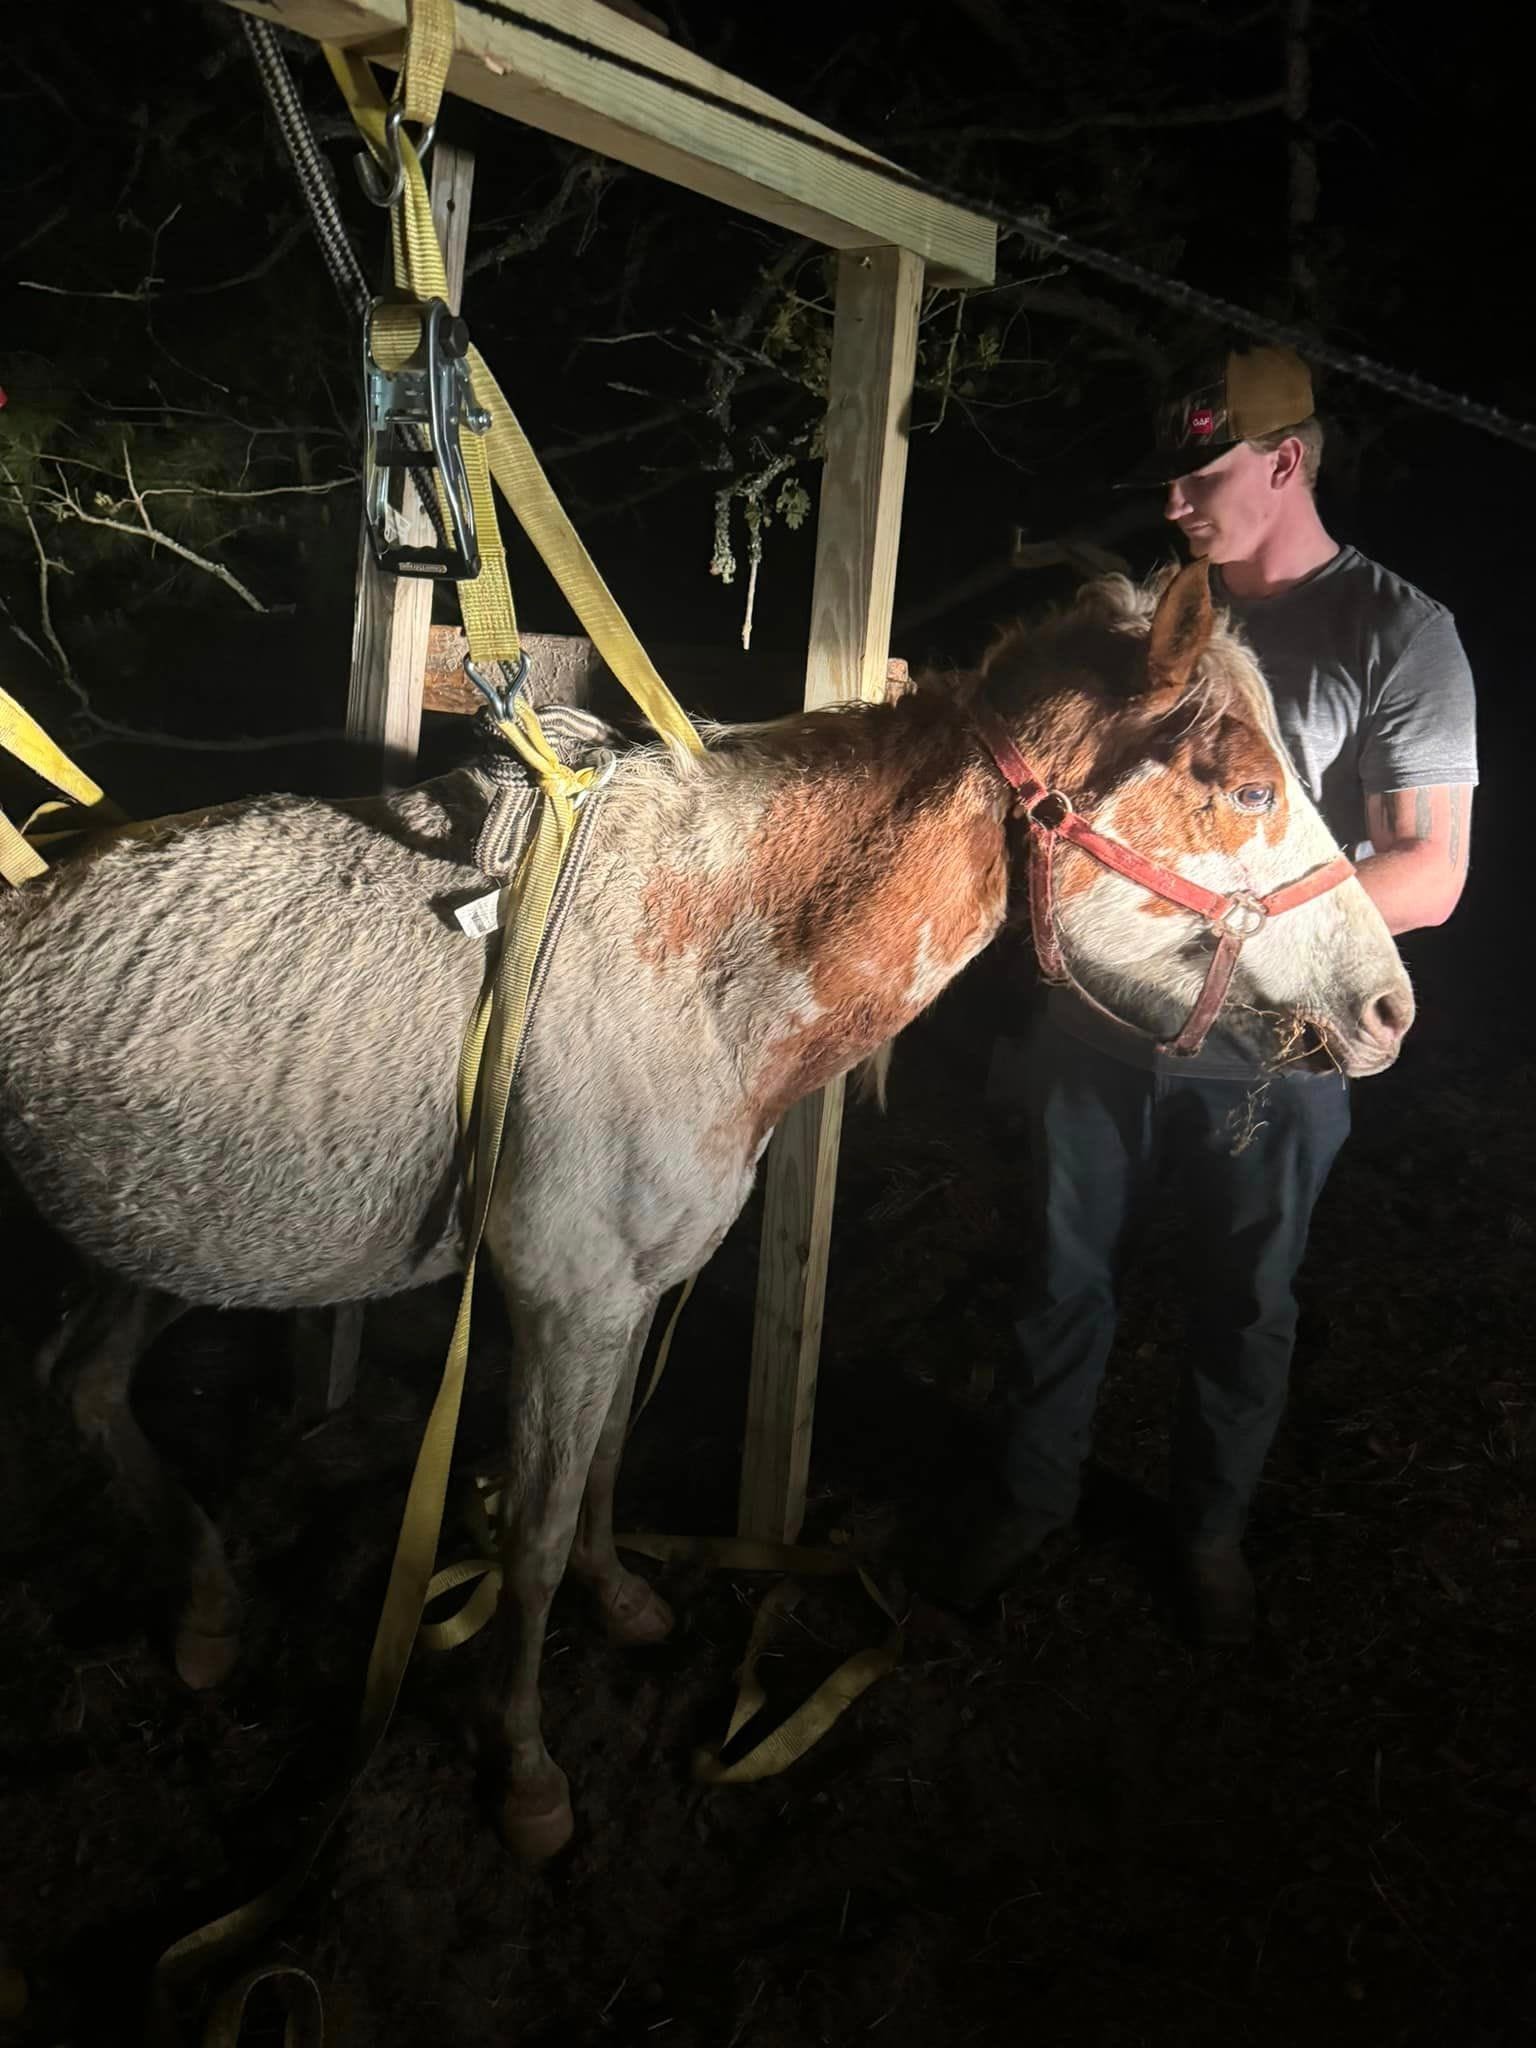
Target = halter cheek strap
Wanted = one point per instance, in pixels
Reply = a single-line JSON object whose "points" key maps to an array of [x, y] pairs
{"points": [[1234, 918]]}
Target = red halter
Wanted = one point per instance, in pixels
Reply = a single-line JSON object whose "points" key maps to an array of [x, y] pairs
{"points": [[1234, 918]]}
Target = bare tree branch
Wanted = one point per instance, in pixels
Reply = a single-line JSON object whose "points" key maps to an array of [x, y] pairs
{"points": [[160, 539], [23, 635], [44, 565], [294, 232], [340, 483], [1082, 309], [64, 505], [593, 173], [44, 227], [651, 422], [63, 291], [726, 375]]}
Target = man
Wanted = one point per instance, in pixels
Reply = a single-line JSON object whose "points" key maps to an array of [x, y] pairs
{"points": [[1375, 703]]}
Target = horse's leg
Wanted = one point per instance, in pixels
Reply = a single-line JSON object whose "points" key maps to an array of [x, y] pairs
{"points": [[80, 1328], [105, 1346], [569, 1365], [632, 1610]]}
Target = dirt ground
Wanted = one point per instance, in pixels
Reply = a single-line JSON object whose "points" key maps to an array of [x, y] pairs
{"points": [[1055, 1823]]}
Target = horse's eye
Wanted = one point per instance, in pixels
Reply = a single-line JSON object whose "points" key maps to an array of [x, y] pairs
{"points": [[1255, 796]]}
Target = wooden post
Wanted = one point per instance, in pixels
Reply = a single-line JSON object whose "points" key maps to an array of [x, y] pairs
{"points": [[874, 348], [390, 630]]}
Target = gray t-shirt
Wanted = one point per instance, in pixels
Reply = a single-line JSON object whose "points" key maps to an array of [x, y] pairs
{"points": [[1372, 693]]}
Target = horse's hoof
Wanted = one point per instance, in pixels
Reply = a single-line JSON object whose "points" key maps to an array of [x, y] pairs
{"points": [[536, 1819], [204, 1660], [637, 1615]]}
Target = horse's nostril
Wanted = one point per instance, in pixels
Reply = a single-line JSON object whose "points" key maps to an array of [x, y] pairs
{"points": [[1386, 1017]]}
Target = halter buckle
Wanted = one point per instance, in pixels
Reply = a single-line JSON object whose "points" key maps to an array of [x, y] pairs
{"points": [[1243, 918]]}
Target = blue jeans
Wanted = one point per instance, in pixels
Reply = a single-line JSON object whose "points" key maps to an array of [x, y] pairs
{"points": [[1101, 1131]]}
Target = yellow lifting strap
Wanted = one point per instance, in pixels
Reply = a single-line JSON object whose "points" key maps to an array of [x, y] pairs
{"points": [[782, 1745], [21, 735], [489, 620]]}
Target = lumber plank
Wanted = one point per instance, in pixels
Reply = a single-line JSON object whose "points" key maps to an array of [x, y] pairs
{"points": [[567, 669]]}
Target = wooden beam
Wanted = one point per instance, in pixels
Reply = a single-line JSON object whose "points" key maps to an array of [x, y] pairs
{"points": [[707, 148], [567, 669], [874, 350], [391, 629]]}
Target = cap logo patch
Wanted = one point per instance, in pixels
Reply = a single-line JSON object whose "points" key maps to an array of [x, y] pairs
{"points": [[1201, 424]]}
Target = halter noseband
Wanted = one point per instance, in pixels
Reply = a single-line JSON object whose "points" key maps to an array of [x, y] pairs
{"points": [[1235, 918]]}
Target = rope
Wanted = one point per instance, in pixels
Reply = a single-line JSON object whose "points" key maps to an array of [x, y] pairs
{"points": [[308, 166], [1169, 291]]}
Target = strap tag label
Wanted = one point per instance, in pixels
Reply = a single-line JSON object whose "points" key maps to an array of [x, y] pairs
{"points": [[479, 917]]}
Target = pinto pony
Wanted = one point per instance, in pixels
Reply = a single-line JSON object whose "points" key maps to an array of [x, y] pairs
{"points": [[229, 1041]]}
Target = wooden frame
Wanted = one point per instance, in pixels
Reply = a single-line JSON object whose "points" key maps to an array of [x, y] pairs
{"points": [[889, 240], [709, 148]]}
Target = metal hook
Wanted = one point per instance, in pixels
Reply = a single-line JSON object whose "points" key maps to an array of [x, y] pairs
{"points": [[371, 173], [500, 696]]}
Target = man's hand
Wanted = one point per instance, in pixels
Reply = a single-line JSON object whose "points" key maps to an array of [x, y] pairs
{"points": [[1418, 865]]}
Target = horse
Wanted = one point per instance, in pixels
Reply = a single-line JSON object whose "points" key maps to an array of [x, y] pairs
{"points": [[229, 1040]]}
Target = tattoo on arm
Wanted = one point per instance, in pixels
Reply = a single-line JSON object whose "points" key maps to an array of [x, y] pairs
{"points": [[1407, 815], [1402, 818]]}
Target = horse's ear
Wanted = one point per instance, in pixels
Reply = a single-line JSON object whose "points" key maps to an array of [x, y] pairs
{"points": [[1181, 631]]}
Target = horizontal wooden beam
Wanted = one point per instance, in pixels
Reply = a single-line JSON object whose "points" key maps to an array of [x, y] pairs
{"points": [[513, 70], [568, 668]]}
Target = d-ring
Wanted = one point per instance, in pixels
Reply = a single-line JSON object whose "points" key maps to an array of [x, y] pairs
{"points": [[1244, 918], [370, 172], [1060, 809]]}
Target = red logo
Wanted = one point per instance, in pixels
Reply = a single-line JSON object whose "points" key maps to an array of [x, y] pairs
{"points": [[1201, 424]]}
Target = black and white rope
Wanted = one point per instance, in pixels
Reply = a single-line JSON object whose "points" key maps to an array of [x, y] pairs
{"points": [[308, 166]]}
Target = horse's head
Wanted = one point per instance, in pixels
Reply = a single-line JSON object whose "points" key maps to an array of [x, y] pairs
{"points": [[1151, 715]]}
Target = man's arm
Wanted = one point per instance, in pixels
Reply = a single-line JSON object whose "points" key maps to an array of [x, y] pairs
{"points": [[1417, 868]]}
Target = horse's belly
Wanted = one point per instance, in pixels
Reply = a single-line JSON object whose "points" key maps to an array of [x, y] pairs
{"points": [[220, 1206]]}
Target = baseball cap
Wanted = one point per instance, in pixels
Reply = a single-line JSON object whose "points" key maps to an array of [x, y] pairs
{"points": [[1218, 400]]}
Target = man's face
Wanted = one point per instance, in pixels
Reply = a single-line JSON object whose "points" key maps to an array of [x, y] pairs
{"points": [[1224, 512]]}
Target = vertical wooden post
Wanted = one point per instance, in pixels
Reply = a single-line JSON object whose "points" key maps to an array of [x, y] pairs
{"points": [[874, 349], [390, 629]]}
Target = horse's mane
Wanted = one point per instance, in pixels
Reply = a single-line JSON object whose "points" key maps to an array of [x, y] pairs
{"points": [[1033, 651], [1094, 635]]}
